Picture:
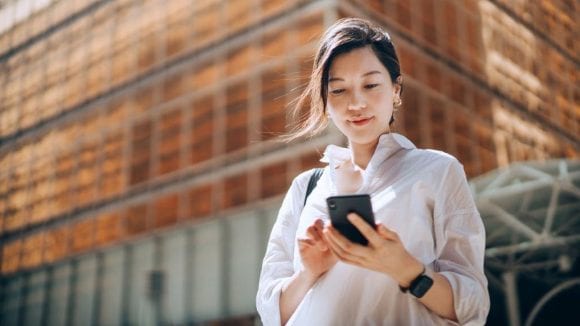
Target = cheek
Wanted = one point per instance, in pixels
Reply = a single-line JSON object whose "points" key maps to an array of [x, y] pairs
{"points": [[382, 97], [331, 113], [332, 108], [333, 104], [383, 103]]}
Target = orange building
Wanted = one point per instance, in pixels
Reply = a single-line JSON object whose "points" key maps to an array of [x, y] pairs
{"points": [[139, 168]]}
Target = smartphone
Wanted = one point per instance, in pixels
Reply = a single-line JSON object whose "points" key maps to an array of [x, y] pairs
{"points": [[340, 206]]}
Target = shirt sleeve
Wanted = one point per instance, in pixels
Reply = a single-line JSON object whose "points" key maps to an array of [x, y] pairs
{"points": [[460, 246], [277, 266]]}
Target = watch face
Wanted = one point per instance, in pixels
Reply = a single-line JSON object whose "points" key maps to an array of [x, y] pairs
{"points": [[421, 286]]}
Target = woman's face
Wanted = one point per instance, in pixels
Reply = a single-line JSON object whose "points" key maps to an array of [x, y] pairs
{"points": [[360, 96]]}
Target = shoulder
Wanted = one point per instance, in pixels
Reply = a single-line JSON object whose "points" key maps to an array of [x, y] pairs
{"points": [[303, 177], [434, 167], [434, 159], [300, 182]]}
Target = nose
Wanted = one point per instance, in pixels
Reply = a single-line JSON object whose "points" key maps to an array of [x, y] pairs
{"points": [[356, 102]]}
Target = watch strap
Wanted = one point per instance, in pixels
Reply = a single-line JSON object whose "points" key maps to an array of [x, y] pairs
{"points": [[420, 285], [406, 289]]}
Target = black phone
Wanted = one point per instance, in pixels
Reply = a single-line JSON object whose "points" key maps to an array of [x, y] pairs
{"points": [[340, 206]]}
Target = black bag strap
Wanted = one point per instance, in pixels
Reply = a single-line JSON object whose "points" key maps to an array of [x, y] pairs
{"points": [[316, 174]]}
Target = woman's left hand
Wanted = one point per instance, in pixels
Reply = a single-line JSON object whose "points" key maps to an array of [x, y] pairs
{"points": [[384, 253]]}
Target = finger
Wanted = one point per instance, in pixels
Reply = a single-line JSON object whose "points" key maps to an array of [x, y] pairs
{"points": [[319, 224], [306, 242], [315, 233], [364, 228], [386, 232], [342, 254], [321, 243], [341, 246], [318, 228], [307, 249], [333, 244], [312, 234]]}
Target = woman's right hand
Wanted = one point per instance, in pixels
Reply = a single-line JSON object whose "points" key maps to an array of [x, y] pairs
{"points": [[317, 258]]}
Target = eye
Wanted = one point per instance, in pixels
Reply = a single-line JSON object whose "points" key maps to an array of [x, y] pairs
{"points": [[337, 91], [371, 86]]}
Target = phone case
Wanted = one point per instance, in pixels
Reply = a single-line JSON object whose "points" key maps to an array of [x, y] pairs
{"points": [[340, 206]]}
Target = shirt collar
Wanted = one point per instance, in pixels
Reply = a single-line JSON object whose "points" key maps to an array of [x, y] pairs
{"points": [[388, 145]]}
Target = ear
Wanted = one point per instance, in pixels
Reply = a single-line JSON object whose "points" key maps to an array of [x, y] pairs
{"points": [[396, 90], [398, 86]]}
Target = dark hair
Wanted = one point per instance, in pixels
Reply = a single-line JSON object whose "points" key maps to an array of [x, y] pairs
{"points": [[343, 36]]}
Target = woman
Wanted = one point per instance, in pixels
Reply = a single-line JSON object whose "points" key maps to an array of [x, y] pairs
{"points": [[424, 261]]}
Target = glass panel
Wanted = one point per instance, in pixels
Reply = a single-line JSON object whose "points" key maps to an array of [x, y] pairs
{"points": [[11, 302], [35, 296], [58, 295], [243, 264], [141, 309], [85, 291], [207, 271], [174, 277], [112, 288]]}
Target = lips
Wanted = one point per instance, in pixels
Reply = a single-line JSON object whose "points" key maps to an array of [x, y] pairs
{"points": [[361, 121]]}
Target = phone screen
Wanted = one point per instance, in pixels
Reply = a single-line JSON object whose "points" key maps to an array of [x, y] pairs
{"points": [[340, 206]]}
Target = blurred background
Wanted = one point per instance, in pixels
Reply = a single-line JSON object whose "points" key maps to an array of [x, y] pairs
{"points": [[140, 175]]}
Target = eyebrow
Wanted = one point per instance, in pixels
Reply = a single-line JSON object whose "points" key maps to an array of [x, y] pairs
{"points": [[364, 75]]}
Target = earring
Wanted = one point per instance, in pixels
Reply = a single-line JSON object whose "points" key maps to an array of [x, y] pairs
{"points": [[397, 98], [397, 101]]}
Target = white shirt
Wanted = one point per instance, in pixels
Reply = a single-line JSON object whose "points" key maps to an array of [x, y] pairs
{"points": [[424, 197]]}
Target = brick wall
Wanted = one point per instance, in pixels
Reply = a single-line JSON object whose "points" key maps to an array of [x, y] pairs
{"points": [[120, 118], [487, 81]]}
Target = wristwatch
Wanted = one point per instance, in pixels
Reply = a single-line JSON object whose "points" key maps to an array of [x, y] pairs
{"points": [[420, 285]]}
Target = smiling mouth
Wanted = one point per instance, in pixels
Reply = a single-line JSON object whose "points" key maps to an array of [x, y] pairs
{"points": [[361, 122]]}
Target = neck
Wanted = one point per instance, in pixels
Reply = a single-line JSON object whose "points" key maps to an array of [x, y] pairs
{"points": [[362, 153]]}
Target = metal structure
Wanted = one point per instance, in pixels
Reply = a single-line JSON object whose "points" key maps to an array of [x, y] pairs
{"points": [[531, 211]]}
